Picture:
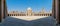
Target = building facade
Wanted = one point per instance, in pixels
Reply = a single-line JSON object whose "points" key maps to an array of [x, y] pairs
{"points": [[29, 12]]}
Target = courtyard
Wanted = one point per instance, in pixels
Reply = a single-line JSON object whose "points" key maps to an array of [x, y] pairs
{"points": [[28, 21]]}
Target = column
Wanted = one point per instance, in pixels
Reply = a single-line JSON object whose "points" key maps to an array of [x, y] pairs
{"points": [[53, 9], [5, 8], [2, 9], [57, 8]]}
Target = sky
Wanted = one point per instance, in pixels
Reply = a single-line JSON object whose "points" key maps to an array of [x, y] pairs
{"points": [[22, 5]]}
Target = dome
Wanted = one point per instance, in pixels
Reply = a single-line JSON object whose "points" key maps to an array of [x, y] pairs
{"points": [[29, 8]]}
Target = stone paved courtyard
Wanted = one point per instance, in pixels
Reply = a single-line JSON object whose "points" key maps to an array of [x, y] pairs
{"points": [[11, 21]]}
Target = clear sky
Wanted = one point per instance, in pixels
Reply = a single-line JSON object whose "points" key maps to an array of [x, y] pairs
{"points": [[22, 5]]}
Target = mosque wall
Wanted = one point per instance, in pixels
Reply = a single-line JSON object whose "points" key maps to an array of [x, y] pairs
{"points": [[29, 12]]}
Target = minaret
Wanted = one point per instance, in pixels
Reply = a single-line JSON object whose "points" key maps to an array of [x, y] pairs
{"points": [[43, 10]]}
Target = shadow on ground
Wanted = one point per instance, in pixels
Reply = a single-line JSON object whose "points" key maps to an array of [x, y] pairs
{"points": [[10, 21]]}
